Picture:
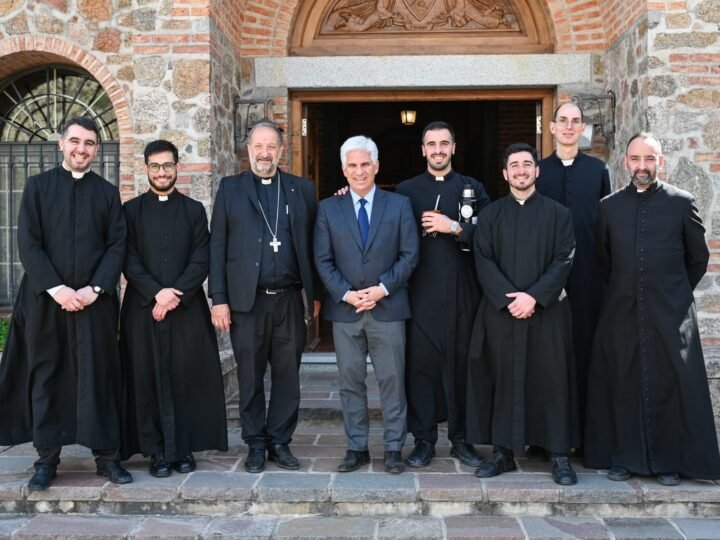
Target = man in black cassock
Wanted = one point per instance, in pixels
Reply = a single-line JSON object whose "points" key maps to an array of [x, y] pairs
{"points": [[444, 295], [521, 373], [60, 374], [649, 410], [175, 402], [577, 181], [262, 284]]}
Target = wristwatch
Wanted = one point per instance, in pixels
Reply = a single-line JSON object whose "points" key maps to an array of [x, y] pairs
{"points": [[98, 290], [454, 226]]}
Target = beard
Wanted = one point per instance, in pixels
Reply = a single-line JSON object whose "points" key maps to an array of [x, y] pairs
{"points": [[649, 177], [163, 189], [438, 166], [264, 169]]}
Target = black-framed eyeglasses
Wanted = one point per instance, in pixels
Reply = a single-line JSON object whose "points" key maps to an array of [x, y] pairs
{"points": [[167, 167]]}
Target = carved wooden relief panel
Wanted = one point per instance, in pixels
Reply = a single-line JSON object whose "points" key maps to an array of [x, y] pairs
{"points": [[361, 27], [390, 16]]}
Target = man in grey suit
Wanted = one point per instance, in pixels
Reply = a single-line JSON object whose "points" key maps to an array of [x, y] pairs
{"points": [[366, 246]]}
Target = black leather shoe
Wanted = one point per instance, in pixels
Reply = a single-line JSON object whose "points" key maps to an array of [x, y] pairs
{"points": [[255, 460], [43, 477], [280, 454], [185, 465], [159, 468], [562, 471], [114, 472], [393, 462], [422, 454], [536, 453], [668, 479], [466, 453], [618, 474], [500, 462], [354, 459]]}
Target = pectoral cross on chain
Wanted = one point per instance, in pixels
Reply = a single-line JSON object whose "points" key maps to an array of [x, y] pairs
{"points": [[275, 244]]}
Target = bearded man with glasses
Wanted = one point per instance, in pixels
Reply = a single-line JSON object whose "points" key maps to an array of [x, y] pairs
{"points": [[175, 403]]}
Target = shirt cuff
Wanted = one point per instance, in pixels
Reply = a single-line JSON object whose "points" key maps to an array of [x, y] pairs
{"points": [[345, 296], [54, 290], [384, 289]]}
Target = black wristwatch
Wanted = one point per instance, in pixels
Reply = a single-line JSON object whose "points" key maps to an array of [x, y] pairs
{"points": [[97, 290]]}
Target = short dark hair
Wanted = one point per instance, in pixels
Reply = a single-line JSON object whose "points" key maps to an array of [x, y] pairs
{"points": [[555, 112], [519, 147], [436, 125], [84, 122], [155, 147], [266, 122]]}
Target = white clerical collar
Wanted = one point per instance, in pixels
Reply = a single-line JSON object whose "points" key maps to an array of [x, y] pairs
{"points": [[567, 162], [162, 198], [439, 178], [75, 175], [266, 181]]}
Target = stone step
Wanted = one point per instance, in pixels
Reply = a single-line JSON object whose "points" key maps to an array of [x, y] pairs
{"points": [[221, 487], [55, 527]]}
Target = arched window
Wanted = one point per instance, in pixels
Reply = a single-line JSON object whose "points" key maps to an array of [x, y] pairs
{"points": [[33, 107]]}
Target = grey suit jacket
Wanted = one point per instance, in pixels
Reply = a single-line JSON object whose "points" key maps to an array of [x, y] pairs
{"points": [[389, 258]]}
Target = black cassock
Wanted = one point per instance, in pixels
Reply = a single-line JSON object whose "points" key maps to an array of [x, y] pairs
{"points": [[60, 371], [175, 402], [521, 372], [649, 407], [580, 187], [443, 296]]}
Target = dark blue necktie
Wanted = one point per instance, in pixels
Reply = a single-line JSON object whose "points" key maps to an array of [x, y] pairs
{"points": [[363, 222]]}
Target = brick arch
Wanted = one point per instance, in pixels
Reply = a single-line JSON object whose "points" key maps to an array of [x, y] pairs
{"points": [[28, 51], [265, 27]]}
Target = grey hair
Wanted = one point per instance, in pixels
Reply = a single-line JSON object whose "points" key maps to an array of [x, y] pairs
{"points": [[268, 124], [359, 142]]}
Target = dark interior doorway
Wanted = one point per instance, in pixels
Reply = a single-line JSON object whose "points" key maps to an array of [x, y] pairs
{"points": [[483, 129]]}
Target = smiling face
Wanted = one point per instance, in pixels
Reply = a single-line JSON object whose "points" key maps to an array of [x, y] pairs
{"points": [[79, 147], [438, 149], [567, 126], [264, 150], [642, 160], [360, 171], [521, 173], [161, 181]]}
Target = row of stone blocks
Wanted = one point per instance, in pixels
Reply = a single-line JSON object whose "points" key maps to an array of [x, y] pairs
{"points": [[52, 527], [376, 494]]}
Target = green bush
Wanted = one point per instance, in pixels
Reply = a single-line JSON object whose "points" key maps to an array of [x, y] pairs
{"points": [[4, 325]]}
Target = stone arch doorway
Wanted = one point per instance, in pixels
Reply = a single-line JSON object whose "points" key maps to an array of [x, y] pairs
{"points": [[34, 104]]}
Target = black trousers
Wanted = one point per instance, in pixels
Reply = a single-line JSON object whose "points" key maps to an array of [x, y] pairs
{"points": [[51, 456], [272, 333], [436, 388]]}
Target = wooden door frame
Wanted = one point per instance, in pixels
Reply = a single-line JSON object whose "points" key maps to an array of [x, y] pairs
{"points": [[299, 99]]}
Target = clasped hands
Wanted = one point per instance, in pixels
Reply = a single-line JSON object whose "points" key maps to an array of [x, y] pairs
{"points": [[165, 301], [523, 305], [72, 300], [365, 299]]}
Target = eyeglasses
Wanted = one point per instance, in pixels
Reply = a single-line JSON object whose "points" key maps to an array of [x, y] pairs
{"points": [[574, 122], [167, 167]]}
